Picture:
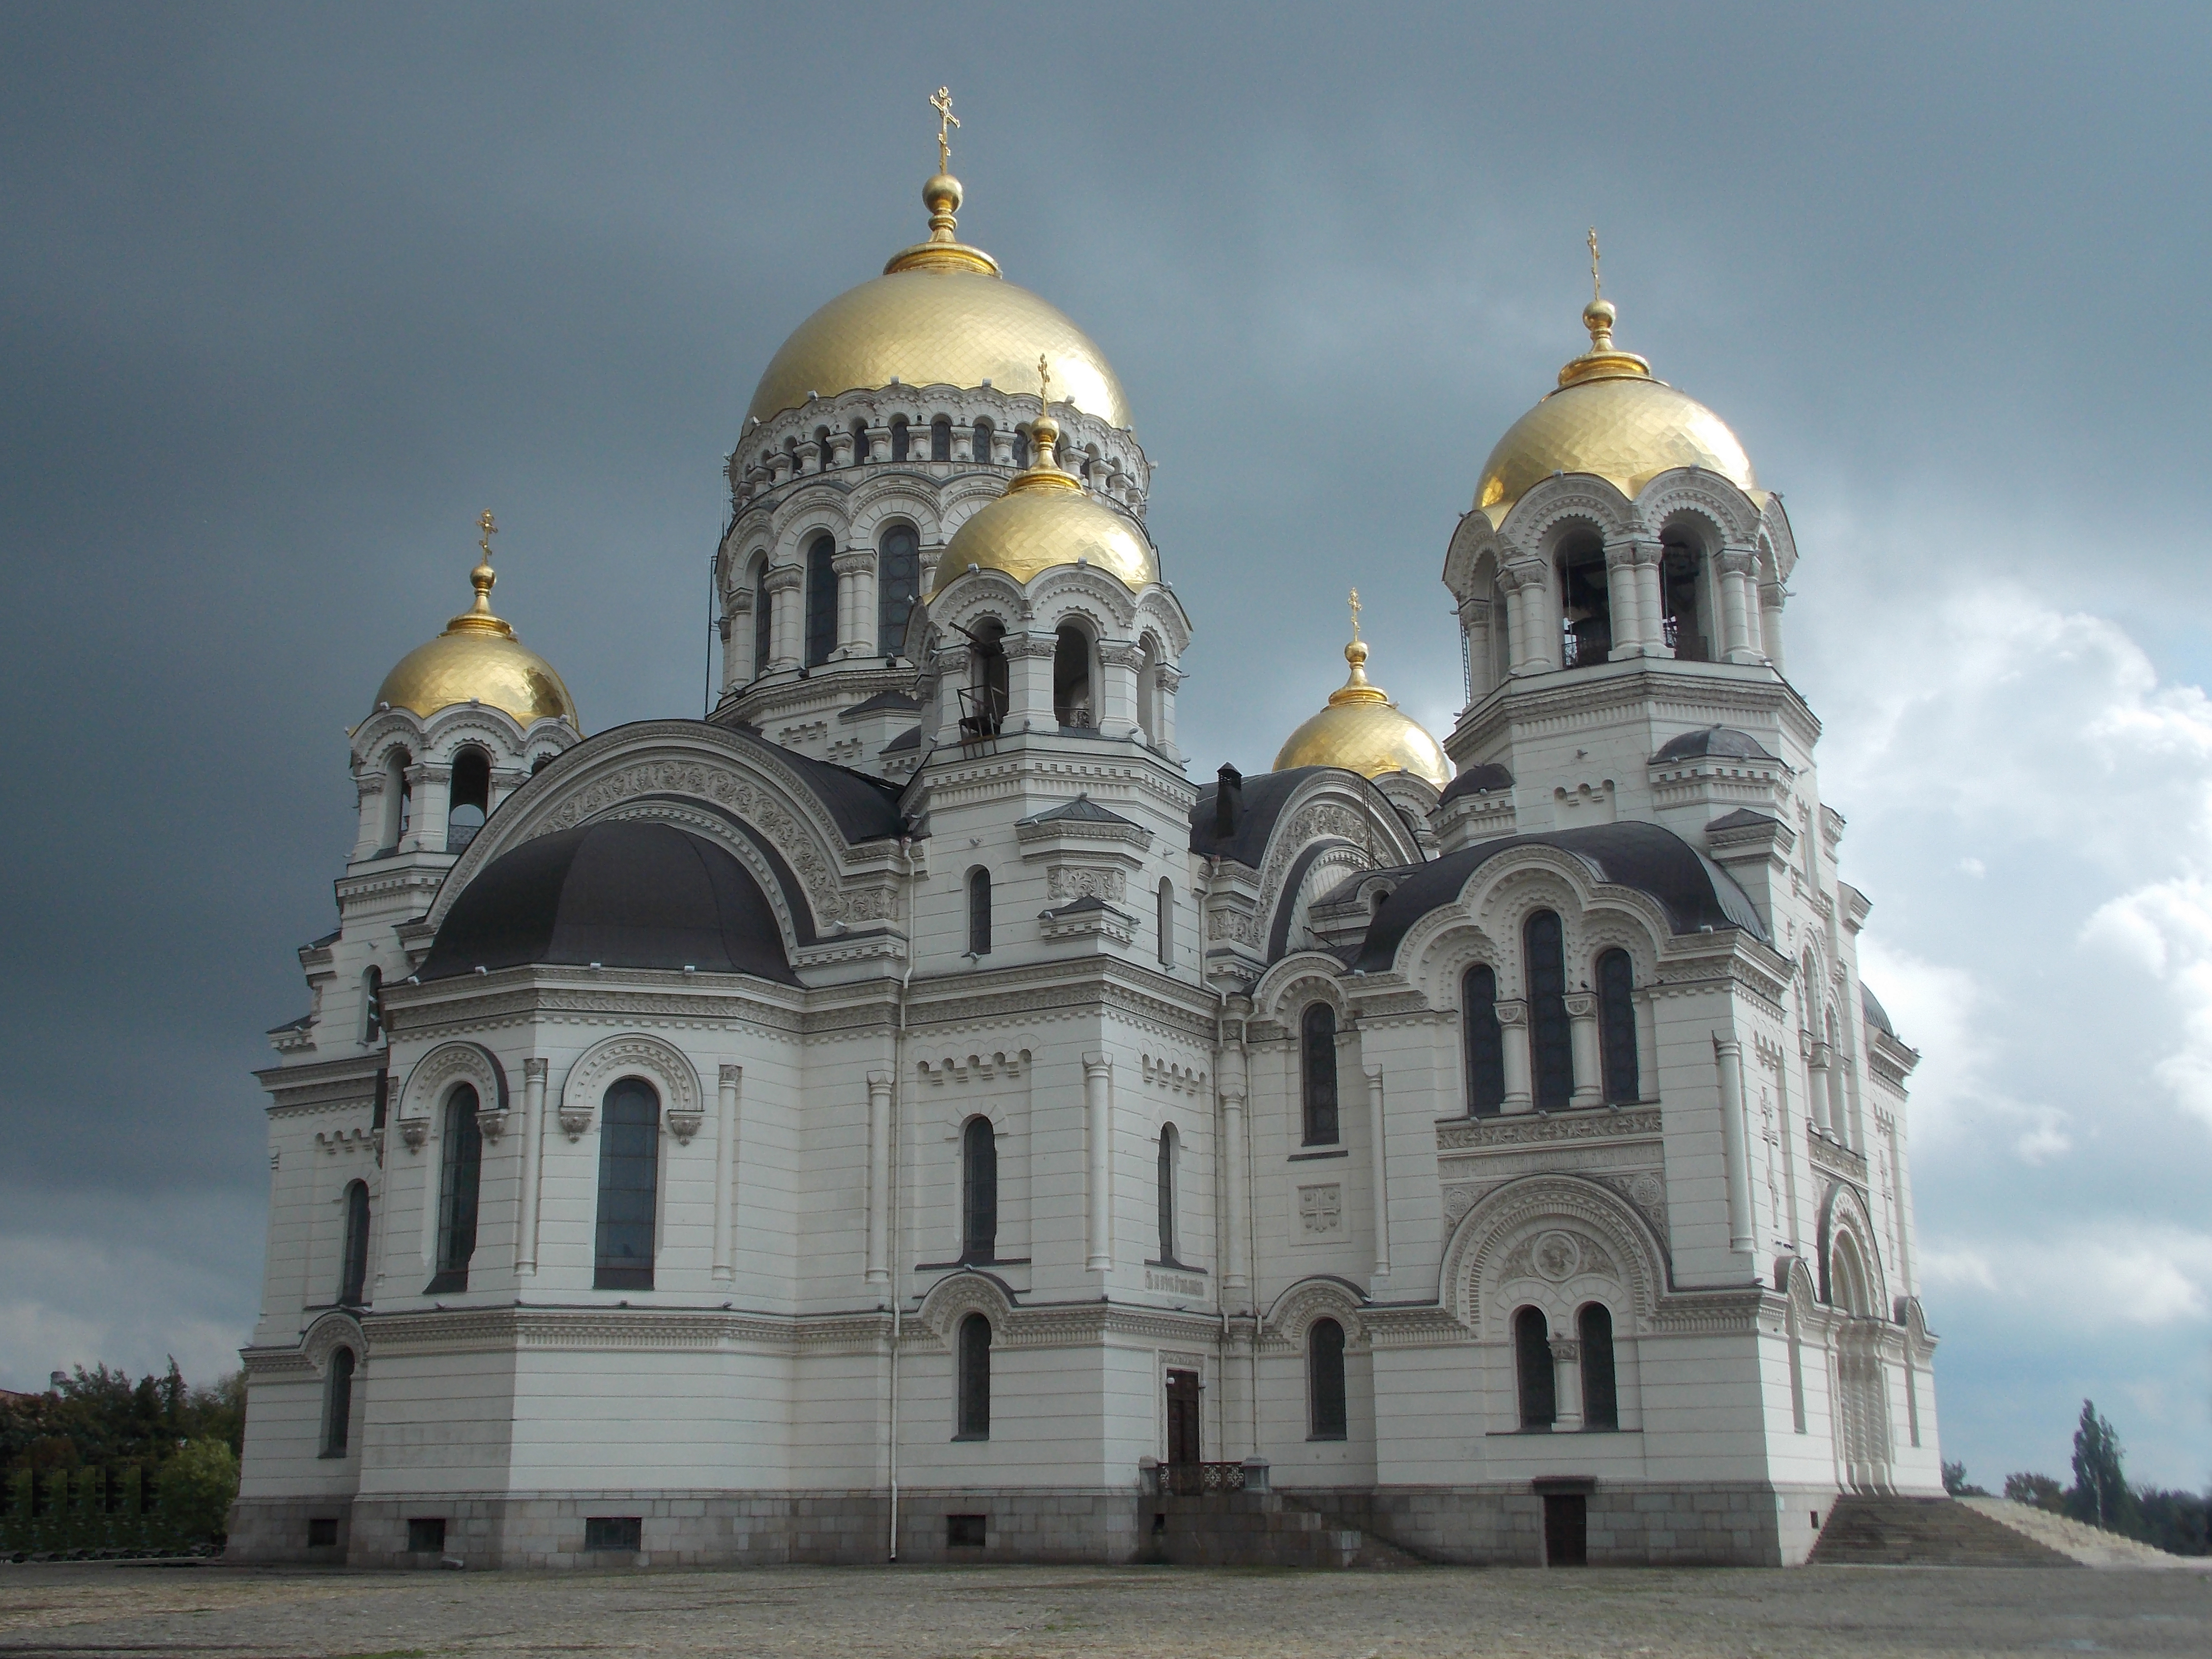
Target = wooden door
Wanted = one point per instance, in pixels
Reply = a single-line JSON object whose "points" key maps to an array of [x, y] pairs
{"points": [[1183, 1443], [1566, 1529]]}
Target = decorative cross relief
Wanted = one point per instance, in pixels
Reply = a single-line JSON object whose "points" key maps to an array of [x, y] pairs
{"points": [[1321, 1209]]}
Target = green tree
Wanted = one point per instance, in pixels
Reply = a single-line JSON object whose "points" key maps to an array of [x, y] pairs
{"points": [[2039, 1489], [1955, 1482], [2100, 1495], [198, 1485]]}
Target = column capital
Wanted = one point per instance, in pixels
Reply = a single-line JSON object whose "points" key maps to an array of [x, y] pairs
{"points": [[782, 578], [1581, 1004], [853, 562], [1511, 1013], [534, 1069], [1568, 1349], [730, 1074]]}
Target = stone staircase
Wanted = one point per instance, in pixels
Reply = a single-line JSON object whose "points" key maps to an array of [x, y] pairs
{"points": [[1263, 1529], [1924, 1532]]}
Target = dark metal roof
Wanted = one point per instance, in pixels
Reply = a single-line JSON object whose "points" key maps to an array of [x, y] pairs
{"points": [[1263, 799], [1697, 894], [883, 700], [1743, 818], [1484, 780], [1722, 741], [625, 894], [910, 738], [299, 1024], [1088, 901], [1876, 1015], [865, 808], [1081, 810]]}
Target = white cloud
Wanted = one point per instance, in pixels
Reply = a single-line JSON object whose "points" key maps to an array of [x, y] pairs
{"points": [[2085, 1280]]}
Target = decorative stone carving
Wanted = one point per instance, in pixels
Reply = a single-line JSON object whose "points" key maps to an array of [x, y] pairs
{"points": [[684, 1124], [1320, 1210], [414, 1131], [1065, 882], [659, 1063]]}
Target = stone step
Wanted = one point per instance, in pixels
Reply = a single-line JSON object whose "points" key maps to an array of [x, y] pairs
{"points": [[1868, 1531], [1268, 1530]]}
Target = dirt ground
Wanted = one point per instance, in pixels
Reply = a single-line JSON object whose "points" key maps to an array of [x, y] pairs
{"points": [[90, 1610]]}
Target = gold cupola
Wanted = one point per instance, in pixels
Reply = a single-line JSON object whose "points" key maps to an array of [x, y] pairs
{"points": [[1362, 731], [478, 659], [1046, 520], [941, 314], [1610, 416]]}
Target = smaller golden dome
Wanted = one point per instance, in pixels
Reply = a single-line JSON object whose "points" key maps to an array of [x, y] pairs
{"points": [[1045, 521], [1362, 731], [478, 659], [1611, 418]]}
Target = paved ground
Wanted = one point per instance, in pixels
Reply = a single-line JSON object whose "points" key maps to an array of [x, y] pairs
{"points": [[1008, 1612]]}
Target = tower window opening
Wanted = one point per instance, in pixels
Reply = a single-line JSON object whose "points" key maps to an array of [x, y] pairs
{"points": [[1586, 602], [1682, 601], [983, 701], [540, 764], [1616, 1026], [1071, 679], [398, 797], [984, 430], [899, 432], [821, 449], [1021, 446], [859, 441], [898, 586], [1532, 1363], [460, 1161], [979, 913], [1325, 1417], [940, 439], [979, 1191], [353, 1271], [372, 997], [1543, 956], [1601, 1398], [1485, 1040], [470, 798], [821, 600], [337, 1403], [1167, 923], [764, 621], [1148, 688], [1317, 1052]]}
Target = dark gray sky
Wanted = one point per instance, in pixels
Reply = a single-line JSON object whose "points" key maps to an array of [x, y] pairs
{"points": [[288, 295]]}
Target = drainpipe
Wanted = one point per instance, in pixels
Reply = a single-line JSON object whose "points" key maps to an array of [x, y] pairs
{"points": [[898, 1092]]}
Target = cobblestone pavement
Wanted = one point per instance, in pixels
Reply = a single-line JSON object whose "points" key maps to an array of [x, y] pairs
{"points": [[91, 1611]]}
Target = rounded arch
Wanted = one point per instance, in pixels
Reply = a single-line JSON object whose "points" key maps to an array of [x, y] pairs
{"points": [[954, 1299], [1846, 1241], [327, 1335], [434, 1077], [1320, 1296], [1557, 1240], [653, 1059]]}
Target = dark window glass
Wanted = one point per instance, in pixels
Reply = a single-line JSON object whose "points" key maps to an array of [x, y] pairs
{"points": [[372, 996], [629, 1176], [1167, 1194], [1485, 1043], [967, 1531], [376, 1113], [1021, 448], [979, 913], [859, 441], [974, 1362], [1318, 1044], [322, 1532], [353, 1275], [940, 439], [426, 1536], [1544, 959], [1531, 1355], [764, 621], [898, 585], [982, 440], [1616, 1025], [1600, 1402], [461, 1158], [983, 707], [337, 1403], [1167, 923], [614, 1532], [821, 600], [469, 798], [1325, 1412], [979, 1191], [899, 439], [1071, 679]]}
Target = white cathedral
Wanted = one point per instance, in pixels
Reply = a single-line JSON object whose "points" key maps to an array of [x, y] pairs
{"points": [[903, 1115]]}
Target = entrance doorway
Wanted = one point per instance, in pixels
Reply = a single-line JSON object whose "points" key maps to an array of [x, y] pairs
{"points": [[1566, 1529], [1183, 1442]]}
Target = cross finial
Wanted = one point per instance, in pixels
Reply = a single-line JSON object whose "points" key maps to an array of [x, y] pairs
{"points": [[488, 530], [1044, 382], [1355, 613], [946, 120], [1596, 291]]}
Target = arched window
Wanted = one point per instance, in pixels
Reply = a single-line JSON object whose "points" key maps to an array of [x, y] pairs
{"points": [[1616, 1026], [1585, 600], [940, 439], [983, 701], [540, 764], [372, 999], [979, 1191], [1325, 1413], [1021, 446], [898, 586], [398, 797], [1148, 698], [460, 1161], [470, 797], [982, 440], [337, 1403], [1601, 1400], [1485, 1041], [1544, 962], [1166, 1195], [1317, 1048], [1166, 903], [979, 913], [629, 1183], [1532, 1361], [899, 446], [1070, 677], [974, 1361], [860, 442], [1681, 599], [353, 1269], [763, 622], [821, 600], [821, 462]]}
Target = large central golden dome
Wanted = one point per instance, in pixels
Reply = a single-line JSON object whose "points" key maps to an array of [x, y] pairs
{"points": [[1610, 418], [939, 315]]}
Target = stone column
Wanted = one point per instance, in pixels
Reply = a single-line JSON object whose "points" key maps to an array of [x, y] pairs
{"points": [[1098, 1109], [1728, 1062], [725, 1174], [1735, 566], [533, 1152], [1653, 605], [1236, 1271], [785, 645], [738, 666], [1582, 1044], [841, 449], [810, 456], [1567, 1385], [856, 602], [964, 443], [1475, 628], [1378, 1152], [1165, 680], [1819, 1058], [1513, 1034], [879, 1176], [1114, 698], [1770, 597], [879, 443], [1537, 646], [432, 792], [1624, 600], [1029, 683]]}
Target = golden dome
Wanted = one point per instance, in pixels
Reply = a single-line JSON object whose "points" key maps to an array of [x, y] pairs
{"points": [[478, 658], [939, 315], [1609, 417], [1043, 521], [1362, 731]]}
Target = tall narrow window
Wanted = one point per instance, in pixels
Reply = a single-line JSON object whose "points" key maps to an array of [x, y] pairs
{"points": [[372, 997], [1544, 964], [398, 797], [982, 440], [337, 1403], [1600, 1400], [353, 1270], [1682, 609], [1486, 1042], [460, 1160], [860, 442], [1166, 1182], [1616, 1025], [1167, 923], [1317, 1044], [1148, 699], [1532, 1359], [983, 700], [821, 600], [763, 622], [1071, 704], [629, 1183], [979, 913], [940, 439], [979, 1191], [1021, 447], [470, 799], [974, 1362], [898, 585], [899, 438], [1325, 1412]]}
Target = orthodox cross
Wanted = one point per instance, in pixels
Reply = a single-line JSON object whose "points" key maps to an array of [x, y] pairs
{"points": [[1596, 291], [488, 529], [1355, 613], [946, 120], [1044, 383]]}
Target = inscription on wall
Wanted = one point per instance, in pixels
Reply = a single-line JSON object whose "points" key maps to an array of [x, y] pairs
{"points": [[1174, 1283]]}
